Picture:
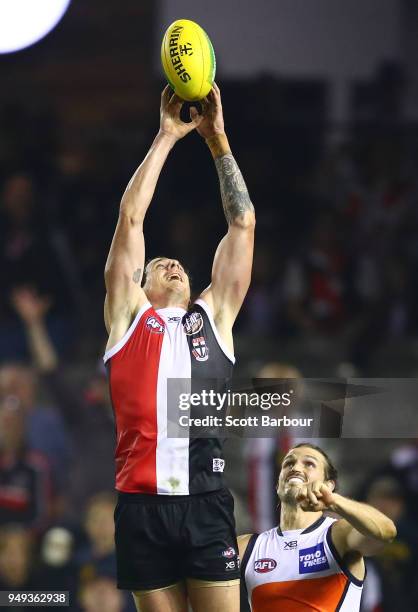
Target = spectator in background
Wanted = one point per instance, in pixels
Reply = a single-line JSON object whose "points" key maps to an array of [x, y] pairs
{"points": [[316, 283], [56, 568], [403, 468], [87, 412], [32, 254], [397, 563], [100, 594], [16, 559], [22, 383], [99, 526], [96, 560], [25, 480]]}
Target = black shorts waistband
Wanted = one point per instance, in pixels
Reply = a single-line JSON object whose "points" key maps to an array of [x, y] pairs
{"points": [[151, 498]]}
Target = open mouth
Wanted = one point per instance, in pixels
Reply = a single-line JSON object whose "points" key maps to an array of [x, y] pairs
{"points": [[175, 276], [296, 480]]}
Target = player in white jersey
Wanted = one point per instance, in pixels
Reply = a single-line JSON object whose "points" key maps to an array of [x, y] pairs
{"points": [[311, 561]]}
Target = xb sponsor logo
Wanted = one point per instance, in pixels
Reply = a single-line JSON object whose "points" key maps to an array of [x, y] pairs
{"points": [[193, 323], [230, 565], [290, 545], [200, 351], [262, 566], [153, 324]]}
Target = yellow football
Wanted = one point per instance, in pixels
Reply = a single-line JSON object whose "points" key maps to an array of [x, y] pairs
{"points": [[188, 60]]}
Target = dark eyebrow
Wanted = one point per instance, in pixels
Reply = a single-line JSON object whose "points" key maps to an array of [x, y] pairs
{"points": [[161, 260], [304, 456], [288, 457]]}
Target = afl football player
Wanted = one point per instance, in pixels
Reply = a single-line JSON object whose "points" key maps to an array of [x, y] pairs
{"points": [[312, 561], [174, 525]]}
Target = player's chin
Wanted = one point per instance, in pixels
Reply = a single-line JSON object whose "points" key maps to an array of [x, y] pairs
{"points": [[290, 493]]}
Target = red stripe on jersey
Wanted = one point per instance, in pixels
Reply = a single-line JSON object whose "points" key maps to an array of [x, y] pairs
{"points": [[133, 386]]}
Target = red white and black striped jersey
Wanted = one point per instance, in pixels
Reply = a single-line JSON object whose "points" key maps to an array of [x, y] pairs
{"points": [[299, 570], [160, 345]]}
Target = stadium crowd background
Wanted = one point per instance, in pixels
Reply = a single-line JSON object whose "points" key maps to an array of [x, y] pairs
{"points": [[334, 289]]}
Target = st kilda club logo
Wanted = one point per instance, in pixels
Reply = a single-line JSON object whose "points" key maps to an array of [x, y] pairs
{"points": [[262, 566], [200, 351], [153, 324]]}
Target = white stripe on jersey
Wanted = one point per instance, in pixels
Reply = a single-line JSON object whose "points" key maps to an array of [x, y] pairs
{"points": [[172, 455]]}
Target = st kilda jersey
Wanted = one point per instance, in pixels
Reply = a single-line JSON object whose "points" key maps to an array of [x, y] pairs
{"points": [[299, 570], [168, 343]]}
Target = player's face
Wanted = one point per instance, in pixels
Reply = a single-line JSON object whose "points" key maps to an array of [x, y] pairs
{"points": [[299, 467], [169, 274]]}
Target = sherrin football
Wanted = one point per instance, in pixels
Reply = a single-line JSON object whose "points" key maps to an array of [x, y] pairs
{"points": [[188, 60]]}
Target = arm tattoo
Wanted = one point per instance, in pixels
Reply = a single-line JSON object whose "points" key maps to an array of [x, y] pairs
{"points": [[137, 275], [235, 198]]}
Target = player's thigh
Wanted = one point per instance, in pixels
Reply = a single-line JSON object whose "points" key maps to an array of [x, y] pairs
{"points": [[205, 596], [168, 599]]}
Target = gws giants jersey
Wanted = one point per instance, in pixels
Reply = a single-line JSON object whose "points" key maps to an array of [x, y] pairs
{"points": [[162, 344], [298, 571]]}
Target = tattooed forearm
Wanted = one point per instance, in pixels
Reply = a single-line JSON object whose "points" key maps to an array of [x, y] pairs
{"points": [[137, 275], [235, 198]]}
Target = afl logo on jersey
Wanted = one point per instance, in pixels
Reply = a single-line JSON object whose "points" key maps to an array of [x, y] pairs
{"points": [[154, 325], [262, 566], [229, 553], [193, 323], [200, 351]]}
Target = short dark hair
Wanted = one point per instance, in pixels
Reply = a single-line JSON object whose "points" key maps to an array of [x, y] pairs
{"points": [[331, 472], [147, 263], [155, 259]]}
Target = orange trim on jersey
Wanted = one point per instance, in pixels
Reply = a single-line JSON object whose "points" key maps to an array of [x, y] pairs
{"points": [[316, 594]]}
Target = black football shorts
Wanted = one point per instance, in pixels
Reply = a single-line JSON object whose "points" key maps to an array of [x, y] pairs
{"points": [[162, 539]]}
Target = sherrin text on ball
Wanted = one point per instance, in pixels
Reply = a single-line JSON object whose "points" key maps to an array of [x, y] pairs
{"points": [[188, 60]]}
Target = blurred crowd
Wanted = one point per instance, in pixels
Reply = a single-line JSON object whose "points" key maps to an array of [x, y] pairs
{"points": [[336, 253], [336, 258]]}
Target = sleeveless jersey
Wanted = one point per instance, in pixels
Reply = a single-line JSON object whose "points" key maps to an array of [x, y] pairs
{"points": [[298, 571], [160, 345]]}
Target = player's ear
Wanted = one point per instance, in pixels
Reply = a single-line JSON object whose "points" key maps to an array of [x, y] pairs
{"points": [[331, 484]]}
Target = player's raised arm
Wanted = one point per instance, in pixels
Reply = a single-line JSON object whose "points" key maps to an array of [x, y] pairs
{"points": [[361, 529], [231, 272], [125, 262]]}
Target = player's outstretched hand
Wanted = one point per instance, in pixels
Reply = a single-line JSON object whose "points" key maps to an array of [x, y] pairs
{"points": [[170, 122], [213, 119], [315, 497]]}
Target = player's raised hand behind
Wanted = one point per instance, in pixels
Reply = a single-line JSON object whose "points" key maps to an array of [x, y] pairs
{"points": [[212, 123], [170, 122]]}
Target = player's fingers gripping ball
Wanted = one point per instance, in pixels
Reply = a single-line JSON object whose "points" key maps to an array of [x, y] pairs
{"points": [[188, 60]]}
